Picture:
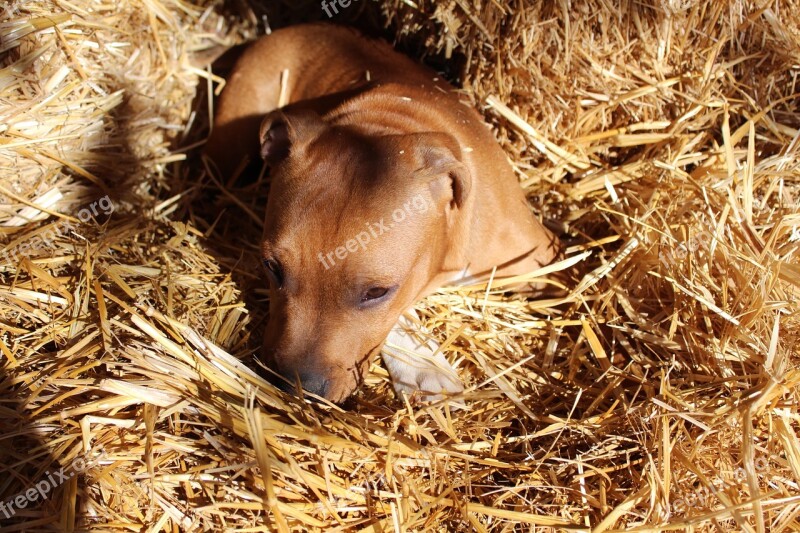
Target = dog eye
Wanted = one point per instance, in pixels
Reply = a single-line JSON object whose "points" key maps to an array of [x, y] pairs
{"points": [[374, 293], [274, 271]]}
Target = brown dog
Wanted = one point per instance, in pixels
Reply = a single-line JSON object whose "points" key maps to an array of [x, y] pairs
{"points": [[384, 188]]}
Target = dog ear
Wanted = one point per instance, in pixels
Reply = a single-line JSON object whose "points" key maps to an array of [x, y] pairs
{"points": [[440, 159], [283, 130]]}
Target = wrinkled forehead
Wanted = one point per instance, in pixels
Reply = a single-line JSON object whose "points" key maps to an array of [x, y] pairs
{"points": [[338, 183], [374, 218], [316, 206], [331, 169]]}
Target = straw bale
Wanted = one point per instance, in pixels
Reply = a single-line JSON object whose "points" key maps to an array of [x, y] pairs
{"points": [[659, 390]]}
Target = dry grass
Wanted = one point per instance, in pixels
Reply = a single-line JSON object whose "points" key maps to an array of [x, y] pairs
{"points": [[659, 139]]}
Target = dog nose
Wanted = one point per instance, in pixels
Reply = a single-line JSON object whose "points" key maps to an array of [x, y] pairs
{"points": [[314, 383], [311, 382]]}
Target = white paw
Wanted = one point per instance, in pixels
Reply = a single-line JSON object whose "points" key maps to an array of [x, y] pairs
{"points": [[429, 385], [417, 369]]}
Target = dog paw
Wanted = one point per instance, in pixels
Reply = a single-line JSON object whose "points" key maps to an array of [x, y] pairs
{"points": [[428, 385], [416, 366]]}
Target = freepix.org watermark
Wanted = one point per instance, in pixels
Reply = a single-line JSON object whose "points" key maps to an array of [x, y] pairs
{"points": [[328, 5], [700, 243], [103, 205], [704, 497], [417, 204], [45, 486]]}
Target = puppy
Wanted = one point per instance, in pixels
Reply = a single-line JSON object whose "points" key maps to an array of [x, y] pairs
{"points": [[384, 187]]}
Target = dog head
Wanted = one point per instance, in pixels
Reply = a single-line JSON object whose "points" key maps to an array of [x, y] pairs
{"points": [[356, 229]]}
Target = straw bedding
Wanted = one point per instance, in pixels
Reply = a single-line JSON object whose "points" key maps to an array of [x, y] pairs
{"points": [[659, 392]]}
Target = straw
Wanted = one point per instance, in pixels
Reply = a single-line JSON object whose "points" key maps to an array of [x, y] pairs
{"points": [[655, 388]]}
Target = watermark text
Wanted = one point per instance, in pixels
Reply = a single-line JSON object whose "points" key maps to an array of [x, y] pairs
{"points": [[417, 204]]}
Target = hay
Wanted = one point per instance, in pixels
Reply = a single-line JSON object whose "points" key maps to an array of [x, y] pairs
{"points": [[660, 393]]}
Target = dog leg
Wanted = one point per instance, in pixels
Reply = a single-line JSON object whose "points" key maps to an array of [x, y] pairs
{"points": [[415, 363]]}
